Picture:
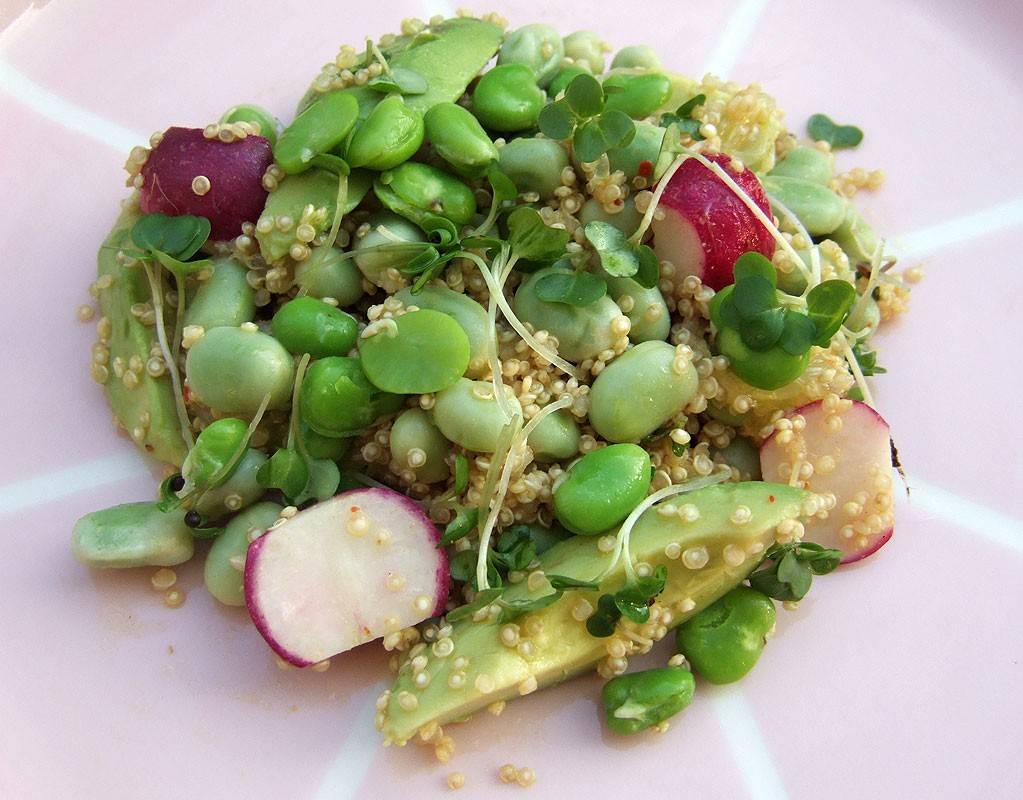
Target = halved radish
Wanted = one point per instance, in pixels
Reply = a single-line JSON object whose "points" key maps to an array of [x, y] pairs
{"points": [[343, 572], [706, 225], [843, 451]]}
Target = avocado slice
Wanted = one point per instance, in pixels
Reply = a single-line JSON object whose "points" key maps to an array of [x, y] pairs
{"points": [[484, 663]]}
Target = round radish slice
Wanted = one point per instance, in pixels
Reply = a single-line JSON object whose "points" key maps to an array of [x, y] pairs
{"points": [[842, 449], [343, 572]]}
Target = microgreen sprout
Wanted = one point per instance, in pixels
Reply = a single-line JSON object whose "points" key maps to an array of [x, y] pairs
{"points": [[683, 118], [823, 129], [582, 117], [787, 570]]}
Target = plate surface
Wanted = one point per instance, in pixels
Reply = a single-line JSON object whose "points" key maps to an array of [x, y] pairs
{"points": [[898, 676]]}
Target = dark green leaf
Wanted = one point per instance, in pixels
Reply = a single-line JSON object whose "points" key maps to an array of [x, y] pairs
{"points": [[401, 80], [441, 230], [480, 243], [825, 562], [796, 574], [823, 129], [588, 141], [798, 333], [178, 237], [602, 622], [206, 531], [760, 332], [753, 295], [585, 96], [649, 272], [465, 522], [690, 105], [422, 261], [617, 256], [462, 566], [722, 309], [578, 289], [867, 359], [683, 120], [617, 128], [749, 264], [513, 609], [286, 470], [557, 121], [503, 187], [532, 239], [767, 582], [827, 306], [461, 473], [483, 599], [564, 582]]}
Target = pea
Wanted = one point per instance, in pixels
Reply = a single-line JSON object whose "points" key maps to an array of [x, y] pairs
{"points": [[638, 94], [538, 46], [390, 135], [724, 641], [339, 400], [602, 488], [328, 273], [319, 129], [232, 369], [308, 325], [466, 312], [555, 438], [133, 535], [640, 391], [418, 445], [430, 190], [249, 112], [382, 251], [467, 413], [508, 99], [415, 353], [534, 165], [223, 299], [641, 700], [322, 447], [586, 49], [213, 449], [224, 568], [636, 55], [459, 139]]}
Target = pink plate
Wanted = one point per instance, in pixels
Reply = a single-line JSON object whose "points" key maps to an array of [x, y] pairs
{"points": [[898, 677]]}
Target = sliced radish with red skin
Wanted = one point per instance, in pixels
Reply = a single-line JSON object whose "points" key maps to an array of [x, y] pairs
{"points": [[845, 445], [343, 572], [706, 225], [188, 173]]}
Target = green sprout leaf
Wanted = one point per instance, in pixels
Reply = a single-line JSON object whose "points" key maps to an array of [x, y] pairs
{"points": [[761, 331], [649, 272], [462, 525], [564, 582], [557, 120], [513, 609], [286, 470], [823, 129], [683, 119], [787, 570], [482, 600], [867, 359], [755, 264], [530, 238], [827, 306], [578, 289], [585, 96], [754, 295], [798, 334], [178, 237], [401, 80]]}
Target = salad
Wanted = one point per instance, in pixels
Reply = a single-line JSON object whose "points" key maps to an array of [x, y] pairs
{"points": [[510, 357]]}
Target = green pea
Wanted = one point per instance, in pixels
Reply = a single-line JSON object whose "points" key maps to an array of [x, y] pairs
{"points": [[582, 333], [564, 77], [555, 438], [232, 369], [724, 641], [769, 369], [430, 190], [418, 445], [627, 219], [534, 165], [224, 568], [415, 353], [602, 488], [586, 49], [213, 449], [386, 248], [468, 414], [638, 94], [328, 273], [466, 312], [319, 129], [237, 492], [806, 163], [322, 447], [508, 99], [638, 156], [133, 535], [339, 400], [641, 700], [819, 208], [249, 112], [308, 325], [223, 299], [538, 46], [641, 390], [459, 139], [636, 55], [390, 135]]}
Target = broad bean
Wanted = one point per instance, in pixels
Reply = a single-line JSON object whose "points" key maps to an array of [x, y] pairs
{"points": [[638, 94], [459, 139], [237, 492], [586, 49], [636, 55], [380, 253], [508, 99], [133, 535], [328, 273], [389, 136], [224, 568], [534, 165], [466, 312], [268, 124], [339, 400], [308, 325], [415, 353], [319, 129], [468, 414], [555, 438], [640, 700], [428, 190], [538, 46], [223, 299], [819, 208], [600, 489], [418, 445], [805, 163]]}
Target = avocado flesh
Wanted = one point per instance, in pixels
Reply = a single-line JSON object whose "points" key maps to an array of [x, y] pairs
{"points": [[561, 646]]}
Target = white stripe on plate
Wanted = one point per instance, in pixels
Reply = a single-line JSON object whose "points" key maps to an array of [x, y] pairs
{"points": [[433, 8], [356, 756], [967, 514], [961, 229], [69, 115], [747, 741], [735, 37], [41, 489]]}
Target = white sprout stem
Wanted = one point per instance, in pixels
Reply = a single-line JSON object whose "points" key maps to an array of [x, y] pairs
{"points": [[872, 279], [504, 455], [296, 396], [156, 290], [813, 275], [543, 413], [662, 184], [854, 366]]}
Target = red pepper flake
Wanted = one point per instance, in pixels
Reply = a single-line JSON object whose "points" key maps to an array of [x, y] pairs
{"points": [[645, 169], [355, 509], [770, 499]]}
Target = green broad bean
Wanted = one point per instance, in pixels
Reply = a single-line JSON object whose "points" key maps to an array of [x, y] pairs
{"points": [[237, 492], [538, 46], [132, 535], [602, 488], [213, 450], [322, 447], [468, 414], [339, 400], [819, 208], [268, 124], [319, 129], [627, 219], [643, 149], [430, 191], [640, 700], [224, 568], [330, 274], [466, 312], [223, 299], [386, 248], [459, 139], [640, 391], [645, 308], [389, 136], [232, 369], [638, 94], [582, 333], [742, 456], [555, 438], [724, 641], [865, 318], [418, 445], [507, 98], [856, 237], [308, 325], [642, 56], [534, 165], [805, 163], [564, 77], [586, 49], [414, 353]]}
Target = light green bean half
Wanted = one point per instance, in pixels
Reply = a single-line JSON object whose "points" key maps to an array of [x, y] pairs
{"points": [[224, 568]]}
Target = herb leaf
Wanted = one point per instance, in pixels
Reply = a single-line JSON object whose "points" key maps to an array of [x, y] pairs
{"points": [[823, 129], [530, 237], [578, 289], [827, 306]]}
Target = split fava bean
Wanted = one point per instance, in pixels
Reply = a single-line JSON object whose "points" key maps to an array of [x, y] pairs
{"points": [[308, 325], [468, 414], [806, 163], [319, 129], [640, 391], [638, 94], [237, 492], [640, 700], [602, 488], [415, 353], [223, 299], [232, 369], [587, 48], [508, 99], [133, 535], [459, 139], [223, 570], [390, 135], [418, 445], [538, 46], [379, 253], [213, 450], [469, 314], [636, 55], [431, 190], [534, 165]]}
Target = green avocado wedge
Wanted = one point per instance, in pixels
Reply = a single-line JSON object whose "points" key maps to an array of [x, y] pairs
{"points": [[711, 542]]}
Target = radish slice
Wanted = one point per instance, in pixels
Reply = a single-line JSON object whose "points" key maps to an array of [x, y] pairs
{"points": [[343, 572], [842, 449]]}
